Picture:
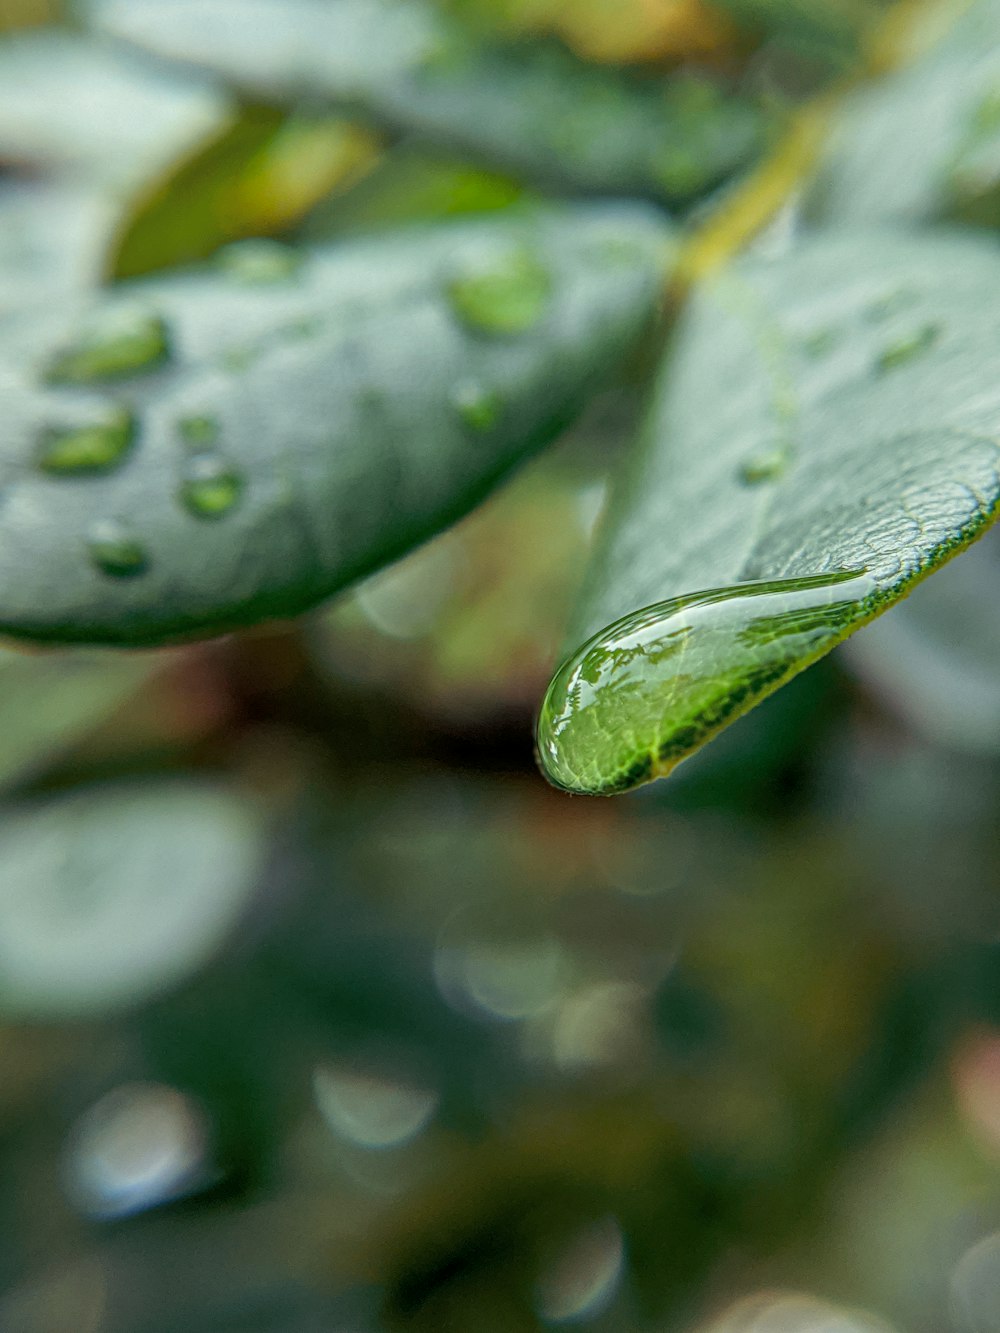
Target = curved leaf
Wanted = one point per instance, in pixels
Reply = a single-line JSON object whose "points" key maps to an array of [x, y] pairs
{"points": [[208, 450], [826, 434], [534, 109], [923, 142]]}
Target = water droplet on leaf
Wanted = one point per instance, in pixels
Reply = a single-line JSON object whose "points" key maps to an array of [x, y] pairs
{"points": [[114, 549], [124, 342], [904, 349], [650, 689], [259, 262], [478, 406], [768, 465], [506, 297], [211, 486], [95, 446], [198, 431]]}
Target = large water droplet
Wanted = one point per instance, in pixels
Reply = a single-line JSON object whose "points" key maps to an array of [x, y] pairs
{"points": [[124, 342], [210, 486], [115, 551], [646, 692], [905, 348], [506, 297], [93, 446], [478, 406], [260, 261]]}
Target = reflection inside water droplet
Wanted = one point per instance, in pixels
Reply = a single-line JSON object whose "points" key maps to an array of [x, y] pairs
{"points": [[115, 550], [141, 1146], [210, 486], [92, 446], [478, 407], [508, 296], [123, 342], [647, 691]]}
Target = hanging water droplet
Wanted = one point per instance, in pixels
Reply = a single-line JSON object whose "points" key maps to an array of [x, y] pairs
{"points": [[199, 431], [210, 487], [904, 349], [124, 342], [93, 446], [478, 406], [647, 691], [260, 261], [506, 297], [767, 465], [114, 550]]}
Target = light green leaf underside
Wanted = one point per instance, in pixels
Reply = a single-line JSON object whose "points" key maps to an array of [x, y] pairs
{"points": [[531, 108], [923, 142], [834, 410], [240, 442]]}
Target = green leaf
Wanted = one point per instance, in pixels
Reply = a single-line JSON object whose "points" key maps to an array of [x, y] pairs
{"points": [[255, 176], [532, 109], [113, 894], [301, 418], [825, 435], [923, 142]]}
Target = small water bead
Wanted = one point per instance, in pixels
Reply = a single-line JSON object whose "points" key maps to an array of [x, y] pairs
{"points": [[210, 487], [199, 431], [260, 262], [768, 465], [125, 342], [649, 690], [94, 446], [478, 406], [903, 349], [115, 551], [506, 297]]}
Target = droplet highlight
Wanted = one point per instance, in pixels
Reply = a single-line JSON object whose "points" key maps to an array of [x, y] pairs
{"points": [[125, 342], [260, 262], [905, 348], [653, 687], [115, 551], [210, 486], [477, 406], [506, 297], [93, 446]]}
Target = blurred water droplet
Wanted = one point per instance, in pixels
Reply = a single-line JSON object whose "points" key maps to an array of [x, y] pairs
{"points": [[506, 979], [124, 342], [260, 261], [115, 551], [210, 486], [371, 1110], [582, 1282], [765, 466], [198, 431], [903, 349], [599, 1025], [506, 297], [93, 446], [788, 1312], [889, 303], [141, 1146], [820, 342], [478, 407], [975, 1288]]}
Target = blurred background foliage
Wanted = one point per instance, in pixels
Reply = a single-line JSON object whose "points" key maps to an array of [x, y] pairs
{"points": [[321, 1013]]}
